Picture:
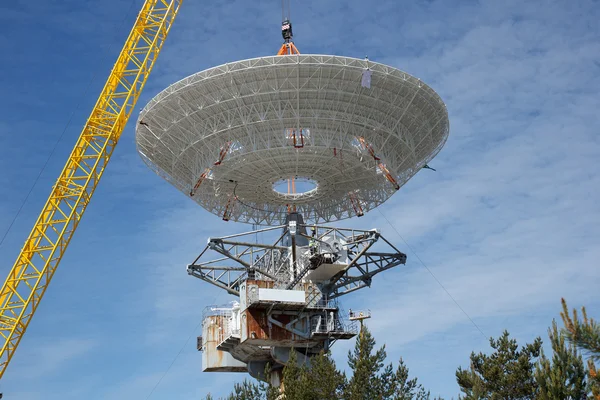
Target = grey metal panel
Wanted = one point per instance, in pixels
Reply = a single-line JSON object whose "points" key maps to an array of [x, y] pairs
{"points": [[243, 297], [214, 360]]}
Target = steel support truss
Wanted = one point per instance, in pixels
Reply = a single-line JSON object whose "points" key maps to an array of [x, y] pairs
{"points": [[289, 259]]}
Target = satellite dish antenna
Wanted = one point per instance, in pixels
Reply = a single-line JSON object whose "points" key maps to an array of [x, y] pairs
{"points": [[290, 142]]}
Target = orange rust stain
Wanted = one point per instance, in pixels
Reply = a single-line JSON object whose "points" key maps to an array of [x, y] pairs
{"points": [[259, 332], [260, 283]]}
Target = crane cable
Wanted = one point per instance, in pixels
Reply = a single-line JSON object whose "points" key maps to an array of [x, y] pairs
{"points": [[432, 274], [174, 359], [68, 124], [283, 8], [177, 355]]}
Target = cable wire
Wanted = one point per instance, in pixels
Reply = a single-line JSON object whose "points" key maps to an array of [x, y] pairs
{"points": [[283, 9], [432, 274], [174, 359], [36, 180], [178, 354]]}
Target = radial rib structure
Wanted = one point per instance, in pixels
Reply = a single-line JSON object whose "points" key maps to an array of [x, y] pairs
{"points": [[227, 136]]}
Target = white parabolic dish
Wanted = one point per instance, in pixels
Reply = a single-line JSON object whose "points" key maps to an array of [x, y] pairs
{"points": [[225, 136]]}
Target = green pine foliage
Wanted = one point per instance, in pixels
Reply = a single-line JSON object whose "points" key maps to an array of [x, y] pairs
{"points": [[584, 333], [366, 382], [506, 374], [403, 388], [251, 390], [564, 376], [331, 381], [321, 381], [247, 391], [372, 379]]}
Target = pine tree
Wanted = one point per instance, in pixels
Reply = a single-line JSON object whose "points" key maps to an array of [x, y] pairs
{"points": [[253, 390], [247, 391], [585, 335], [471, 384], [328, 381], [564, 376], [400, 387], [371, 380], [506, 374], [366, 384], [321, 380], [295, 380]]}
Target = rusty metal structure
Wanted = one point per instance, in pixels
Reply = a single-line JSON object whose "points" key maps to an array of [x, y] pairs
{"points": [[343, 135]]}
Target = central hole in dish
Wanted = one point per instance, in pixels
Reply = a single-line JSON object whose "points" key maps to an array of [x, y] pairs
{"points": [[303, 186]]}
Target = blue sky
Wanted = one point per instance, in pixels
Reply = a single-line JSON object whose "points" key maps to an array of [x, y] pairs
{"points": [[509, 223]]}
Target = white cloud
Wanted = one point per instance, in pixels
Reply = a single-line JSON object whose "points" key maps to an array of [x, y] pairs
{"points": [[45, 357]]}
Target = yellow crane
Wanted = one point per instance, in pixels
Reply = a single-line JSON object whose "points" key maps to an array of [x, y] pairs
{"points": [[29, 277]]}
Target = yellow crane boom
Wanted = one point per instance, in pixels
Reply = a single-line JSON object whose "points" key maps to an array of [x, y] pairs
{"points": [[29, 277]]}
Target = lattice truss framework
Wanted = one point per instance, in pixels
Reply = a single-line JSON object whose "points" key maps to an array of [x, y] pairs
{"points": [[43, 250], [226, 135], [240, 259]]}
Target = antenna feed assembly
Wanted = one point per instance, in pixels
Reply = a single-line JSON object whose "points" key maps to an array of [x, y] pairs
{"points": [[286, 30]]}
